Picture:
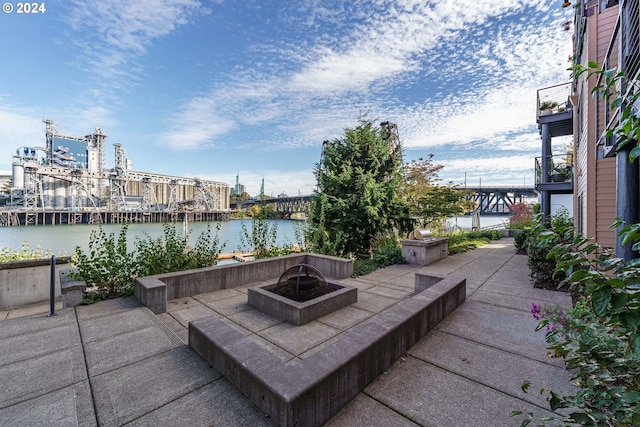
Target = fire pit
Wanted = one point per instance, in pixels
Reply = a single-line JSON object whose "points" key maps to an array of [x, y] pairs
{"points": [[301, 295], [301, 283]]}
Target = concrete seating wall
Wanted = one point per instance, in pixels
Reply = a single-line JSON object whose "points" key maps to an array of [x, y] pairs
{"points": [[155, 291], [308, 392]]}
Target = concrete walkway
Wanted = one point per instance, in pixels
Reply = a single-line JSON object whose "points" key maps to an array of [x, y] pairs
{"points": [[115, 363]]}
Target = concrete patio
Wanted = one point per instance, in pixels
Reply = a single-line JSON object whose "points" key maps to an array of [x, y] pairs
{"points": [[116, 363]]}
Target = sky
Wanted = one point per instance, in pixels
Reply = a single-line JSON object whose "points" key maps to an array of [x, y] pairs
{"points": [[219, 88]]}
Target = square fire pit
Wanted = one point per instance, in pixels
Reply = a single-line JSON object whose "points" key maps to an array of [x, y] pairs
{"points": [[265, 299]]}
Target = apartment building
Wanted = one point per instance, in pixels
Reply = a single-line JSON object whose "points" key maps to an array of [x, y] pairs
{"points": [[603, 181]]}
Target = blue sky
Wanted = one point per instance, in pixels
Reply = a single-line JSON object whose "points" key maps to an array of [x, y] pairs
{"points": [[209, 88]]}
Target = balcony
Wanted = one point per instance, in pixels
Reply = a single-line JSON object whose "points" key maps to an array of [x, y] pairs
{"points": [[623, 54], [555, 174], [554, 108]]}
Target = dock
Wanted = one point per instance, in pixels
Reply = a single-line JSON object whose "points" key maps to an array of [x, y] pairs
{"points": [[10, 218]]}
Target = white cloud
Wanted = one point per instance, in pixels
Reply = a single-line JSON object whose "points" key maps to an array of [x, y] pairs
{"points": [[490, 170], [18, 128], [197, 124], [111, 37], [129, 26], [497, 76]]}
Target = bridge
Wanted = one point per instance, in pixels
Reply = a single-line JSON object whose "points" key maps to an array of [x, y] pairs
{"points": [[284, 206], [496, 200], [489, 201]]}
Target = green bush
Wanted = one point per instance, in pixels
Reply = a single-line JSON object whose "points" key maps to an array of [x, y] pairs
{"points": [[8, 254], [262, 238], [364, 266], [163, 254], [108, 266], [111, 268], [172, 252], [599, 338], [520, 240], [387, 251], [541, 239]]}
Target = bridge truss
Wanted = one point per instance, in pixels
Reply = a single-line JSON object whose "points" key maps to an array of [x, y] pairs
{"points": [[497, 200]]}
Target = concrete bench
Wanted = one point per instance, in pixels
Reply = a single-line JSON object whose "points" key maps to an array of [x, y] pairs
{"points": [[308, 392]]}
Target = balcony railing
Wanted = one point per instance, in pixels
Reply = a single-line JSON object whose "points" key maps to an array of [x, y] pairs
{"points": [[623, 54], [554, 99], [559, 168]]}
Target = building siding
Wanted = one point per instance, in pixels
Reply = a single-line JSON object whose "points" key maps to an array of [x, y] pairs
{"points": [[606, 201]]}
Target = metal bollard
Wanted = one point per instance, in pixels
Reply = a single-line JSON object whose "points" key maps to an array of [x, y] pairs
{"points": [[52, 289]]}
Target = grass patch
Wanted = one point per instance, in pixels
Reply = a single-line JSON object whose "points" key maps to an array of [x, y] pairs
{"points": [[464, 241], [364, 266], [390, 253]]}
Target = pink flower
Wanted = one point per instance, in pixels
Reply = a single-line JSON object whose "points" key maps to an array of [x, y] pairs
{"points": [[535, 311]]}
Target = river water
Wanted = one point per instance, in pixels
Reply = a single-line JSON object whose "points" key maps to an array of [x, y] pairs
{"points": [[63, 239]]}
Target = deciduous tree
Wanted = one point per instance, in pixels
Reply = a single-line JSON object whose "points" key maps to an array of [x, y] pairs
{"points": [[429, 202]]}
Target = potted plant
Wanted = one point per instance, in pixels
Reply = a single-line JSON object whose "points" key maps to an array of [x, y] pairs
{"points": [[546, 107], [561, 173]]}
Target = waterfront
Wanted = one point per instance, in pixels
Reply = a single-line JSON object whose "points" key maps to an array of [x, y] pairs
{"points": [[63, 239]]}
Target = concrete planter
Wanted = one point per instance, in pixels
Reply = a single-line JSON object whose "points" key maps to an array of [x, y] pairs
{"points": [[155, 291], [28, 282]]}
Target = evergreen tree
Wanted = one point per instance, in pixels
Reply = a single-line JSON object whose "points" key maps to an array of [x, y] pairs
{"points": [[359, 183]]}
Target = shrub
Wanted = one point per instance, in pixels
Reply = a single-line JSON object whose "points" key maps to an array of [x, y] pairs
{"points": [[463, 241], [262, 238], [207, 249], [363, 266], [111, 268], [108, 266], [163, 254], [520, 240], [386, 251], [541, 239], [599, 338], [8, 254]]}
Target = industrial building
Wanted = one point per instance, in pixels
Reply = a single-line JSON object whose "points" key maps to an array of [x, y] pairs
{"points": [[66, 181]]}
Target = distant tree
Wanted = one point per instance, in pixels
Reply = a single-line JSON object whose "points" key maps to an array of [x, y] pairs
{"points": [[239, 197], [359, 183], [429, 202], [521, 215]]}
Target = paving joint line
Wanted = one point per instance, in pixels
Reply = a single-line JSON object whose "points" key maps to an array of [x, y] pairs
{"points": [[86, 367], [392, 409], [484, 344], [482, 384], [220, 378], [488, 278]]}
